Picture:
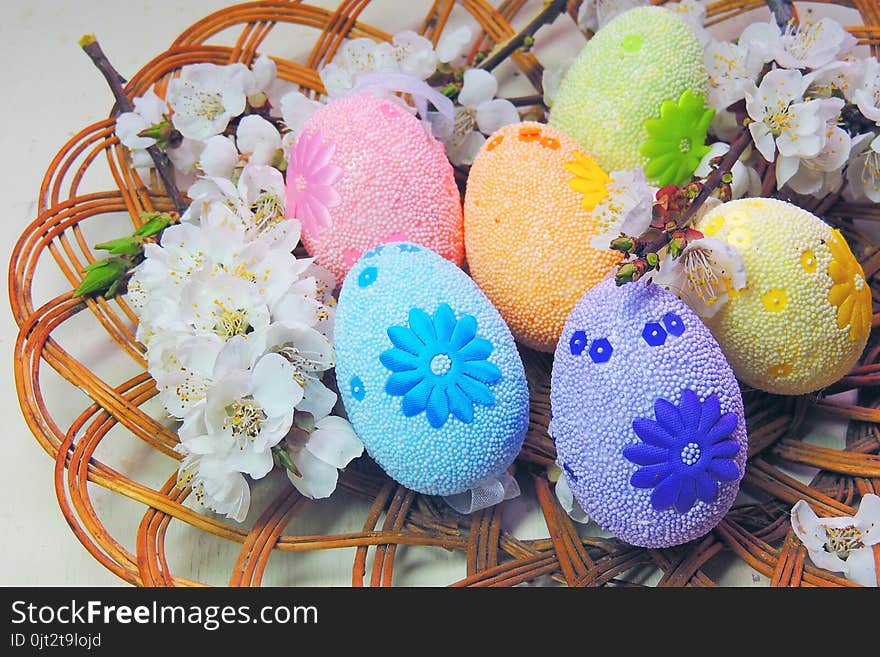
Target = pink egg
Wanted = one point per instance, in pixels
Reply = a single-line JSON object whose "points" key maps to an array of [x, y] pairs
{"points": [[364, 172]]}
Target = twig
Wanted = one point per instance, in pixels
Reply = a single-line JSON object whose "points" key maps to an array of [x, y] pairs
{"points": [[163, 165], [552, 8], [783, 11], [527, 101], [737, 148]]}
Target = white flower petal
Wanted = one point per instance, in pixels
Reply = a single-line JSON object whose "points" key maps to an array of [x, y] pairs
{"points": [[764, 141], [468, 150], [318, 399], [868, 519], [151, 107], [861, 567], [296, 110], [264, 70], [786, 167], [318, 479], [337, 80], [495, 114], [275, 388], [574, 510], [334, 441], [186, 155], [128, 125], [453, 43], [219, 157], [806, 525], [479, 87], [258, 137]]}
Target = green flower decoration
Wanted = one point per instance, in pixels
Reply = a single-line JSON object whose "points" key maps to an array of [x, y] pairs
{"points": [[677, 140]]}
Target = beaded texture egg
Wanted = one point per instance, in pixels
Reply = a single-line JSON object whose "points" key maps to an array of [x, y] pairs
{"points": [[365, 171], [528, 228], [804, 317], [647, 414], [620, 80], [428, 371]]}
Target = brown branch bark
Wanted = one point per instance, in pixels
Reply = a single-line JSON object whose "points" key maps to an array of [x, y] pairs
{"points": [[552, 8], [116, 82]]}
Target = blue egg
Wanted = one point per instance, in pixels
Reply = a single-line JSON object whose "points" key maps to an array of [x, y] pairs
{"points": [[428, 371]]}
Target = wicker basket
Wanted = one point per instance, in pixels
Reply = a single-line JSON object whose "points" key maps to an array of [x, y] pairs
{"points": [[758, 534]]}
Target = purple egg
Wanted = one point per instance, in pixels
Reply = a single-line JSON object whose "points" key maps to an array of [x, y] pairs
{"points": [[648, 416]]}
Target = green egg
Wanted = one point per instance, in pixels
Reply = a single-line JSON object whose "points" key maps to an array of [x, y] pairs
{"points": [[640, 60]]}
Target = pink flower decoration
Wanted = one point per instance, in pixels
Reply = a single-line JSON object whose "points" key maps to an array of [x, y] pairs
{"points": [[310, 180]]}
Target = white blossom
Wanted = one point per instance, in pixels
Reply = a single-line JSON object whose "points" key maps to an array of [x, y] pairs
{"points": [[783, 120], [863, 172], [811, 45], [627, 208], [704, 275], [744, 177], [479, 114], [148, 112], [453, 43], [205, 97], [841, 544], [729, 65], [296, 109], [319, 455], [867, 95]]}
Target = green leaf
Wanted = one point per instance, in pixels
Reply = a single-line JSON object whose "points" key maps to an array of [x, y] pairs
{"points": [[123, 246], [155, 224], [102, 275]]}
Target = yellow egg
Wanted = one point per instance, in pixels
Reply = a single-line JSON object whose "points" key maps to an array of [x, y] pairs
{"points": [[528, 226], [803, 319]]}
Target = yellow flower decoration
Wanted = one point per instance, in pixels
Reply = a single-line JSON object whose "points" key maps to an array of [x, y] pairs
{"points": [[589, 180], [850, 292]]}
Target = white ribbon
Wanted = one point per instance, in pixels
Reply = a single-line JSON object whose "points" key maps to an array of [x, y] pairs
{"points": [[393, 81], [484, 494]]}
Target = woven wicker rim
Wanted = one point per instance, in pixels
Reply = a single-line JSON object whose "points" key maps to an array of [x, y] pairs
{"points": [[759, 535]]}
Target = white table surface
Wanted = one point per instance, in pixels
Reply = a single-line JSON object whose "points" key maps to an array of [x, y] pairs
{"points": [[51, 91]]}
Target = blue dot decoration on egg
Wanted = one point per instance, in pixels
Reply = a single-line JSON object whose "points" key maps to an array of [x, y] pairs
{"points": [[428, 371], [650, 432]]}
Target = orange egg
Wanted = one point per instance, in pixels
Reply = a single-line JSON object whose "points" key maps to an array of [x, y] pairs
{"points": [[528, 228]]}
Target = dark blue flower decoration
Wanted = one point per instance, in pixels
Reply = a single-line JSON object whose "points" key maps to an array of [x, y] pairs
{"points": [[357, 388], [367, 276], [654, 334], [601, 350], [578, 343], [374, 251], [673, 324], [571, 475], [439, 366], [687, 451]]}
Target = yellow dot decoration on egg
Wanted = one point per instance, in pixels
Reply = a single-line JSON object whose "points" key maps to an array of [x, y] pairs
{"points": [[803, 319], [808, 261], [775, 300], [528, 228]]}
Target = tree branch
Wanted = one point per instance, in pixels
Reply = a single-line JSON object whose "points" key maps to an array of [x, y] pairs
{"points": [[552, 8], [116, 82], [737, 148]]}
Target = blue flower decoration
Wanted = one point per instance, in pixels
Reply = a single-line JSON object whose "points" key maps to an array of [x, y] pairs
{"points": [[687, 451], [439, 366]]}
